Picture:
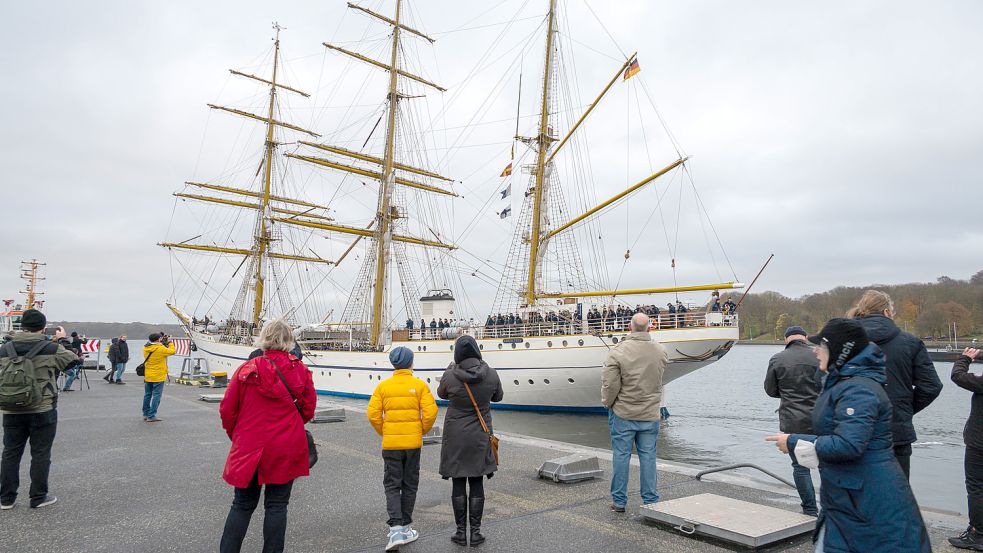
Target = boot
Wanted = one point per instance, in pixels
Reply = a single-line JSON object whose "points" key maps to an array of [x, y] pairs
{"points": [[476, 505], [460, 505]]}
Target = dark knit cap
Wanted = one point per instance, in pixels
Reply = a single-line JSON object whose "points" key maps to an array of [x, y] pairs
{"points": [[401, 357], [795, 330], [845, 339], [33, 320]]}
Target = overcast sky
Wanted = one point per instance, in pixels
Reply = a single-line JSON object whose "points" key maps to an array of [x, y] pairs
{"points": [[845, 137]]}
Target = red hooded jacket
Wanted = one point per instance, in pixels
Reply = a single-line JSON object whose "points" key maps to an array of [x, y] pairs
{"points": [[259, 416]]}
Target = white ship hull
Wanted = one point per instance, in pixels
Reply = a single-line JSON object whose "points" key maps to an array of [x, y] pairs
{"points": [[555, 373]]}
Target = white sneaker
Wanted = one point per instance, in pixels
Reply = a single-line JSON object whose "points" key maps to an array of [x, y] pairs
{"points": [[395, 533], [408, 535]]}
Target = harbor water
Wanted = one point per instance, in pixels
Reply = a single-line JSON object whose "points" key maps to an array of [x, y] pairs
{"points": [[720, 415]]}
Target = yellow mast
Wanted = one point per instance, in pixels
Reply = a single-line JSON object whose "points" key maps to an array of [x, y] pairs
{"points": [[544, 143], [29, 272], [383, 217], [263, 238]]}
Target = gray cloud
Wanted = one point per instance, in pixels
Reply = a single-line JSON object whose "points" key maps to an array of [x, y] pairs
{"points": [[844, 138]]}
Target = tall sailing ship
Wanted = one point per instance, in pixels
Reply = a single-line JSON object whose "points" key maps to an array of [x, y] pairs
{"points": [[548, 331]]}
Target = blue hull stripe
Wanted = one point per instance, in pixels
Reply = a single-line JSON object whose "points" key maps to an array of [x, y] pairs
{"points": [[504, 406]]}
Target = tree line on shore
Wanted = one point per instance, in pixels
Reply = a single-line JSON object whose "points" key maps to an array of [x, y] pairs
{"points": [[934, 309], [134, 331]]}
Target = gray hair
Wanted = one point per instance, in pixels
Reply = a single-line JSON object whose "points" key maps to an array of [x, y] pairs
{"points": [[277, 335], [640, 322]]}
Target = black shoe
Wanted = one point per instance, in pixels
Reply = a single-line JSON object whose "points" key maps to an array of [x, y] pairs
{"points": [[617, 508], [476, 507], [107, 379], [120, 382], [43, 502], [68, 390], [970, 539], [460, 505]]}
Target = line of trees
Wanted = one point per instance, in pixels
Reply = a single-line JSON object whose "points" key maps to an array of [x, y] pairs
{"points": [[925, 309]]}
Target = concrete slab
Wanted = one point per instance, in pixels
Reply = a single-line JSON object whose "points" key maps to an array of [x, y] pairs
{"points": [[732, 520]]}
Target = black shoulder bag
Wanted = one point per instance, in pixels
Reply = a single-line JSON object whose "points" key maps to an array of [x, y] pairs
{"points": [[142, 367], [311, 446]]}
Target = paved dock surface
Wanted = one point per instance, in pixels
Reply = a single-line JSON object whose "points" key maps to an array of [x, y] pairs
{"points": [[124, 485]]}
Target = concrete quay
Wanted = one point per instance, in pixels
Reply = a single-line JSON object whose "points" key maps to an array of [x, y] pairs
{"points": [[124, 485]]}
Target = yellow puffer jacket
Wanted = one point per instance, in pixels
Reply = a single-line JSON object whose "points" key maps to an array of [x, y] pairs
{"points": [[155, 369], [402, 410]]}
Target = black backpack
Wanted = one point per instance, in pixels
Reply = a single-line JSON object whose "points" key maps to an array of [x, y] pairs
{"points": [[20, 385]]}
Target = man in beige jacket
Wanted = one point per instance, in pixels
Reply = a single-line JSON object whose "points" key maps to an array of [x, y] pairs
{"points": [[631, 390]]}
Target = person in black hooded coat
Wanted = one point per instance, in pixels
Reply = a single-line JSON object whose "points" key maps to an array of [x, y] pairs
{"points": [[465, 453], [912, 382]]}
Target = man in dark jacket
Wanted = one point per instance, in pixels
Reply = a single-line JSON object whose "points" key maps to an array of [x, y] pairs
{"points": [[35, 422], [972, 538], [793, 376], [121, 359], [912, 383]]}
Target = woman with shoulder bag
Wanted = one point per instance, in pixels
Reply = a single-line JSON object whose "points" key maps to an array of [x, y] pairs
{"points": [[469, 449], [268, 400]]}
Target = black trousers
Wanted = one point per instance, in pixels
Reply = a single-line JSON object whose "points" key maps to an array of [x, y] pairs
{"points": [[973, 464], [401, 478], [39, 428], [460, 486], [903, 454], [274, 522]]}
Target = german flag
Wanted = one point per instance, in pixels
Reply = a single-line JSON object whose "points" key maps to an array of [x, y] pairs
{"points": [[631, 69], [507, 171]]}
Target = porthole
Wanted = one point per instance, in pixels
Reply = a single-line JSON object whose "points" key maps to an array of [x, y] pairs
{"points": [[516, 382], [329, 373], [428, 381], [549, 343], [546, 381], [322, 373], [349, 375], [481, 346], [499, 346], [564, 343], [371, 377], [570, 380], [452, 347], [527, 345], [580, 342], [513, 346], [425, 347], [615, 339], [417, 348], [531, 382]]}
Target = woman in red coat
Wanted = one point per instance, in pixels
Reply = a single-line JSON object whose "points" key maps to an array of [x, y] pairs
{"points": [[269, 445]]}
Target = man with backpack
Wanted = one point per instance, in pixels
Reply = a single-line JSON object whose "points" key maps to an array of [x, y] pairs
{"points": [[29, 367]]}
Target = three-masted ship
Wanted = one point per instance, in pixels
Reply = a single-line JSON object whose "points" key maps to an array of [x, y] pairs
{"points": [[550, 346]]}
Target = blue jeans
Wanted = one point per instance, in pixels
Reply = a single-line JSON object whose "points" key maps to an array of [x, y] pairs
{"points": [[120, 367], [151, 398], [70, 375], [643, 435], [802, 477]]}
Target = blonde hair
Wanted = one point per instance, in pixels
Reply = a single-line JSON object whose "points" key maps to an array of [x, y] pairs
{"points": [[873, 302], [276, 334]]}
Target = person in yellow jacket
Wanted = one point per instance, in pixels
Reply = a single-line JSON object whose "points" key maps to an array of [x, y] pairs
{"points": [[401, 410], [155, 355]]}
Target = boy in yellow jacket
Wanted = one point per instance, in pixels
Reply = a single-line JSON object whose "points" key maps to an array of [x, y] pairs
{"points": [[401, 410]]}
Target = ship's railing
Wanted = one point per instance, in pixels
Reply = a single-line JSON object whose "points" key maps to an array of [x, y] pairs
{"points": [[664, 321]]}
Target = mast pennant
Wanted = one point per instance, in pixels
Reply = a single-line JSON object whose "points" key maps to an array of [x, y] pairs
{"points": [[507, 171]]}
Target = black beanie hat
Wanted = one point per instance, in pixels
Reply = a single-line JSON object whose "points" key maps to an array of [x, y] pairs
{"points": [[845, 339], [466, 348], [33, 320]]}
